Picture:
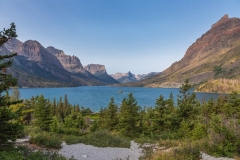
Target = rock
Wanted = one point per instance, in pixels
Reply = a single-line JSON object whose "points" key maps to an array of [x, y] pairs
{"points": [[70, 63], [84, 156], [100, 72]]}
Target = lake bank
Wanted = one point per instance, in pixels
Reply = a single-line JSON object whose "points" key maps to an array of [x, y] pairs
{"points": [[95, 97]]}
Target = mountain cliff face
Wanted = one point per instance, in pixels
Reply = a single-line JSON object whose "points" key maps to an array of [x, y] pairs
{"points": [[36, 67], [34, 51], [70, 63], [217, 47], [100, 72], [130, 77], [13, 45]]}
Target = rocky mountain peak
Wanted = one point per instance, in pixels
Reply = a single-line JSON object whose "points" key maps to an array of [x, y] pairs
{"points": [[34, 51], [99, 71], [13, 45], [70, 63], [55, 51], [96, 69], [222, 20]]}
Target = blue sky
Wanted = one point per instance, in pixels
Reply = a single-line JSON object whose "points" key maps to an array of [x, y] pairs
{"points": [[140, 36]]}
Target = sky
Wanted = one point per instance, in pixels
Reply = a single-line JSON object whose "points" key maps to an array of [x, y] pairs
{"points": [[140, 36]]}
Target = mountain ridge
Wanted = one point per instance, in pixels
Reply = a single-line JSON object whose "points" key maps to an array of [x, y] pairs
{"points": [[35, 66], [201, 57], [130, 77]]}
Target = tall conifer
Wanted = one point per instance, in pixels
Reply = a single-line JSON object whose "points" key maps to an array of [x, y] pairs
{"points": [[8, 129]]}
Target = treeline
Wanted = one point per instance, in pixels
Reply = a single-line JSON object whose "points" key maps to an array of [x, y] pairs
{"points": [[56, 116]]}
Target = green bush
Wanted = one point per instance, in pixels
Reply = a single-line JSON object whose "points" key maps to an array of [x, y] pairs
{"points": [[23, 153], [10, 155], [104, 139], [71, 139], [199, 131], [48, 140], [224, 137], [99, 139], [187, 152], [71, 131]]}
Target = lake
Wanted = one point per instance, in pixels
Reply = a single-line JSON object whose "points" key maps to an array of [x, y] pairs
{"points": [[94, 97]]}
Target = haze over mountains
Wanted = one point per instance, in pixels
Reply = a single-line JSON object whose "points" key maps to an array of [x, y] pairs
{"points": [[216, 54]]}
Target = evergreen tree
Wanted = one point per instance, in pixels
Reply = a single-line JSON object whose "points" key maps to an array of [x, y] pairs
{"points": [[60, 111], [160, 114], [112, 115], [66, 106], [102, 118], [8, 129], [15, 93], [43, 113], [27, 112], [54, 107], [187, 102], [232, 107], [171, 122], [129, 117], [55, 124]]}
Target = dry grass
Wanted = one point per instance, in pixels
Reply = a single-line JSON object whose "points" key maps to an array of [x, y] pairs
{"points": [[220, 85]]}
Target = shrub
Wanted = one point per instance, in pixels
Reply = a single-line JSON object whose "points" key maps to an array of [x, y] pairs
{"points": [[71, 131], [99, 139], [22, 153], [224, 136], [71, 139], [104, 139], [188, 152], [48, 140]]}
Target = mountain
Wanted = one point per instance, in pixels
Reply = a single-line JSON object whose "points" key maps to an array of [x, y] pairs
{"points": [[36, 67], [70, 63], [100, 72], [216, 54], [130, 77]]}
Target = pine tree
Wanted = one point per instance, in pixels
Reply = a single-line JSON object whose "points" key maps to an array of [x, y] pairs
{"points": [[42, 113], [160, 114], [112, 115], [27, 112], [102, 118], [66, 106], [171, 122], [187, 101], [15, 93], [54, 107], [8, 129], [129, 117]]}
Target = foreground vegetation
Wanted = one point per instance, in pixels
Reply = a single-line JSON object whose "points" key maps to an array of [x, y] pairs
{"points": [[187, 127]]}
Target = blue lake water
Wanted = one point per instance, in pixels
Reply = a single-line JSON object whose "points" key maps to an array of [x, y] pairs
{"points": [[96, 96]]}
